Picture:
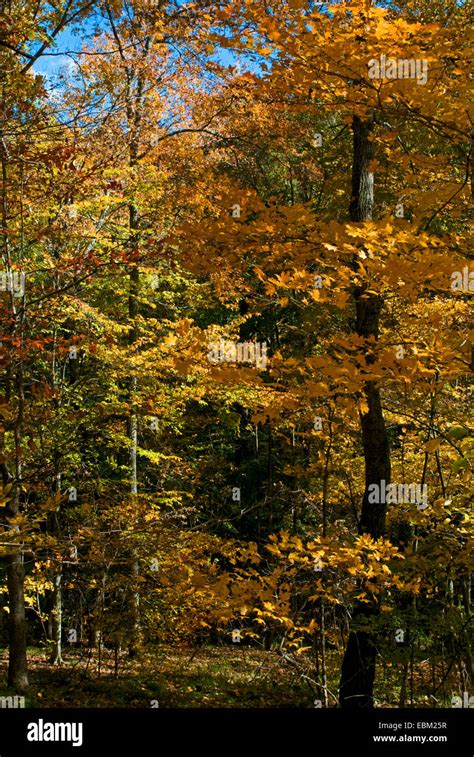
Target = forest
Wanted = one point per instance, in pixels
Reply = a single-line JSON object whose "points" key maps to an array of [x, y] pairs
{"points": [[236, 353]]}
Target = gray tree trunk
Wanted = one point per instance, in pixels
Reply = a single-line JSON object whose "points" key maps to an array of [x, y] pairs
{"points": [[17, 661], [57, 620]]}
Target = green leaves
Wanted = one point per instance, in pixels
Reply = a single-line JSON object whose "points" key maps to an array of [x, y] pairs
{"points": [[458, 432]]}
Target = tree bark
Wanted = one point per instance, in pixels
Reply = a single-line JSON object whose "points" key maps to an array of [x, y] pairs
{"points": [[17, 659], [17, 662], [134, 112], [56, 612], [57, 618], [358, 666]]}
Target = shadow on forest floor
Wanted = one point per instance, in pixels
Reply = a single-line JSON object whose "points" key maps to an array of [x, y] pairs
{"points": [[172, 676]]}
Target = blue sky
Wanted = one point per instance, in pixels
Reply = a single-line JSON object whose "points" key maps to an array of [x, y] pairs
{"points": [[49, 65]]}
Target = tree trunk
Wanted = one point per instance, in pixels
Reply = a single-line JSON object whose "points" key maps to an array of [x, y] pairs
{"points": [[17, 659], [56, 612], [133, 310], [17, 662], [57, 618], [358, 666]]}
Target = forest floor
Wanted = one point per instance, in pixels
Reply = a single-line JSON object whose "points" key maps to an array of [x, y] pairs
{"points": [[167, 676], [171, 676]]}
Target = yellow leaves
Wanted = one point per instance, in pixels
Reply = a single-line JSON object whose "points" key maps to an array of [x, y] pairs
{"points": [[353, 570], [270, 288], [51, 503], [362, 406], [5, 413], [274, 549], [316, 389], [433, 445], [313, 626], [4, 492], [412, 586]]}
